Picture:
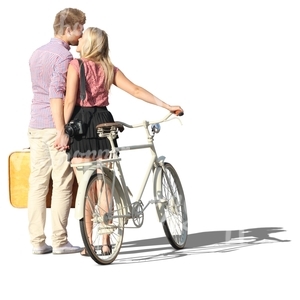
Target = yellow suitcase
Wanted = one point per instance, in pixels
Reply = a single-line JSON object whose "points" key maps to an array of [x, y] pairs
{"points": [[18, 174]]}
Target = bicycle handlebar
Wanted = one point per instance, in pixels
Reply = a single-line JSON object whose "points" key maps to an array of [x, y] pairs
{"points": [[164, 119]]}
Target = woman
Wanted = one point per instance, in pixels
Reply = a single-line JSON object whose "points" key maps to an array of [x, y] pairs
{"points": [[100, 74]]}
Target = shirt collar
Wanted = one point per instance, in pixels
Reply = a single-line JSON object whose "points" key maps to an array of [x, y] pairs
{"points": [[59, 41]]}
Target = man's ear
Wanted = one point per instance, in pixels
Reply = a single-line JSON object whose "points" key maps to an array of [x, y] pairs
{"points": [[68, 31]]}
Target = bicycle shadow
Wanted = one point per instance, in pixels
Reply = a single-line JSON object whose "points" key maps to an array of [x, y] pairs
{"points": [[198, 243]]}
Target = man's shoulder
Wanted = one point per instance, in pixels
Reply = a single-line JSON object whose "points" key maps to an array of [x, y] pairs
{"points": [[55, 45], [54, 48]]}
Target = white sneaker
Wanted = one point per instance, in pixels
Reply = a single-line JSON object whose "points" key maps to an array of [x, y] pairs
{"points": [[67, 249], [44, 249]]}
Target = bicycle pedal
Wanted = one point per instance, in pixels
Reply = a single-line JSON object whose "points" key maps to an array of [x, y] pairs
{"points": [[162, 201]]}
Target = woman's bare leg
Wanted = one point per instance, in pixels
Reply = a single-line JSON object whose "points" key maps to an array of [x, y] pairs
{"points": [[88, 211], [104, 206]]}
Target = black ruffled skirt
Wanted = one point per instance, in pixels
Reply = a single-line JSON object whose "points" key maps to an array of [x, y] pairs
{"points": [[89, 144]]}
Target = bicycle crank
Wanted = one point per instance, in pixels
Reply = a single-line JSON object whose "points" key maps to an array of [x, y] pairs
{"points": [[137, 214]]}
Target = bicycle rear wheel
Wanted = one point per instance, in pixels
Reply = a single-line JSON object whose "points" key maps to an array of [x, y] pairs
{"points": [[102, 227], [171, 206]]}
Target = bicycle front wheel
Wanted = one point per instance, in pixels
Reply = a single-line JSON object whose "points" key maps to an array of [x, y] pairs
{"points": [[102, 227], [171, 206]]}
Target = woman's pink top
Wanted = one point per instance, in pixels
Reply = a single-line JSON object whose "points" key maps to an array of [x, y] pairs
{"points": [[96, 94]]}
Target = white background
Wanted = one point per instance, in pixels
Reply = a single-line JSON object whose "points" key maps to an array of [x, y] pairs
{"points": [[234, 66]]}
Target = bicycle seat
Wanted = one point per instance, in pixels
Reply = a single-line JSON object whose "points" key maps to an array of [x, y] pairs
{"points": [[110, 126]]}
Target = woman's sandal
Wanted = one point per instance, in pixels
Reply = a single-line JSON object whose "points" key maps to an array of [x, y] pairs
{"points": [[106, 252], [85, 253]]}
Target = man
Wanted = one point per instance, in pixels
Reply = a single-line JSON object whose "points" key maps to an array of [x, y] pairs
{"points": [[48, 141]]}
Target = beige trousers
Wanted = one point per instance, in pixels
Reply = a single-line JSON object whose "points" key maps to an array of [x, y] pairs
{"points": [[46, 161]]}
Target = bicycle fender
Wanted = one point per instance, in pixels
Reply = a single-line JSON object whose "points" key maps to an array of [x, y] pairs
{"points": [[81, 193], [158, 194]]}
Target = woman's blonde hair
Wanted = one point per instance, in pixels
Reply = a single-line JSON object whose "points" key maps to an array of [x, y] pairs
{"points": [[95, 48]]}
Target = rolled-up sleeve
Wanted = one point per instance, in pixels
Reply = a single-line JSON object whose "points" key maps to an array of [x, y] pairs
{"points": [[57, 86]]}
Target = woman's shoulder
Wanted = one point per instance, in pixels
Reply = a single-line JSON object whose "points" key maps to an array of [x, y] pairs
{"points": [[115, 69], [92, 66], [75, 63]]}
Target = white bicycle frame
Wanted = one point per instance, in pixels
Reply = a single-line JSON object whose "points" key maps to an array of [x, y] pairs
{"points": [[155, 165]]}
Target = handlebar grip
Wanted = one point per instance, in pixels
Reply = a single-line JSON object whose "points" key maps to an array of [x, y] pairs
{"points": [[179, 113]]}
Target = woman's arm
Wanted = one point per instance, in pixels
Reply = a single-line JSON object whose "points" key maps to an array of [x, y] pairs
{"points": [[71, 93], [122, 82]]}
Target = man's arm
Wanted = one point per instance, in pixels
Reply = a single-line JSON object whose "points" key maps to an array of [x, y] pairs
{"points": [[57, 109]]}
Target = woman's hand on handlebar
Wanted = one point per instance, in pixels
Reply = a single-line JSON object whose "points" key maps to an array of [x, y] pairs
{"points": [[177, 110]]}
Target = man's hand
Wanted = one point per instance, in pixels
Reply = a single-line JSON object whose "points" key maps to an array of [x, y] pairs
{"points": [[61, 142]]}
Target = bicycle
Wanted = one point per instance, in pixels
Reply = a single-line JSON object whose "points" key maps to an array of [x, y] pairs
{"points": [[103, 202]]}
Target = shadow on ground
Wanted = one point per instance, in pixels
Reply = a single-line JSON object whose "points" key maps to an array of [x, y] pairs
{"points": [[198, 243]]}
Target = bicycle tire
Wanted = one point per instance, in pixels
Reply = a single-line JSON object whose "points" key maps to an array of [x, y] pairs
{"points": [[99, 221], [171, 206]]}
